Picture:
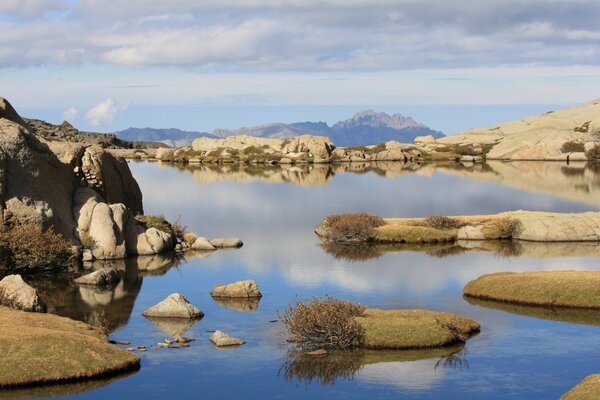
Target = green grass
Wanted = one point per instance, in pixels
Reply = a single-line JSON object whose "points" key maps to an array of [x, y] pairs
{"points": [[414, 329], [587, 389], [154, 221], [577, 289], [43, 348]]}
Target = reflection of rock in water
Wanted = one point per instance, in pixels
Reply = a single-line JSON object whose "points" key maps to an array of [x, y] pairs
{"points": [[61, 390], [501, 248], [335, 365], [301, 174], [570, 315], [173, 327], [239, 304], [110, 308]]}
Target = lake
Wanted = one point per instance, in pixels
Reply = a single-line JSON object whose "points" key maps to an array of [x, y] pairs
{"points": [[520, 353]]}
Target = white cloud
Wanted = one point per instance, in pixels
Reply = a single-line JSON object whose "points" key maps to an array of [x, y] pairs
{"points": [[69, 114], [102, 114]]}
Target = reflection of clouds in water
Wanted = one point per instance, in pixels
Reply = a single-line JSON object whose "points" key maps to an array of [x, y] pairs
{"points": [[408, 375]]}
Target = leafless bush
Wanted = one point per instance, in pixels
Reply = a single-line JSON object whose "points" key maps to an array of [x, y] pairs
{"points": [[507, 227], [443, 222], [353, 227], [325, 323], [572, 147]]}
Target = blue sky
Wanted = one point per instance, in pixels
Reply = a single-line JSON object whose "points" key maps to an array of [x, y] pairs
{"points": [[107, 65]]}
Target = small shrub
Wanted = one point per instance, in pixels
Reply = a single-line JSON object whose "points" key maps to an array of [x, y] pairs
{"points": [[253, 150], [353, 227], [466, 150], [443, 222], [154, 221], [233, 152], [87, 241], [507, 227], [325, 323], [28, 246], [572, 147], [178, 229], [593, 154]]}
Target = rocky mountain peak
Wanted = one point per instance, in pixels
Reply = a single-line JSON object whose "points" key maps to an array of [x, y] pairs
{"points": [[371, 118]]}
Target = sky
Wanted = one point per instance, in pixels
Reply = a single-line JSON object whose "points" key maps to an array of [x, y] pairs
{"points": [[202, 65]]}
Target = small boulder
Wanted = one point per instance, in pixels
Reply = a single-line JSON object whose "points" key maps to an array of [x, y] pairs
{"points": [[222, 243], [174, 306], [202, 243], [220, 339], [102, 277], [87, 255], [17, 294], [240, 289]]}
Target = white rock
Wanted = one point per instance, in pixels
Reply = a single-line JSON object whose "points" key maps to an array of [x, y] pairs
{"points": [[221, 339], [174, 306]]}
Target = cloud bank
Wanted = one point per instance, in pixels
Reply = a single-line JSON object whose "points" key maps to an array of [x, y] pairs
{"points": [[293, 35]]}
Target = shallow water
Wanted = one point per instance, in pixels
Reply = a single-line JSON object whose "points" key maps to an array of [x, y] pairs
{"points": [[520, 353]]}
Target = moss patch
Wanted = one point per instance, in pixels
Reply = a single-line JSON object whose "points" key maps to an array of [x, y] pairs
{"points": [[44, 348], [587, 389], [578, 289], [414, 329]]}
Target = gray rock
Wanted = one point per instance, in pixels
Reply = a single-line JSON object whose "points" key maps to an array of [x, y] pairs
{"points": [[17, 294], [174, 306], [202, 243], [101, 277], [221, 339], [221, 243]]}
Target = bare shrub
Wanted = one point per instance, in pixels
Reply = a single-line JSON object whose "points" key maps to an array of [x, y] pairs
{"points": [[443, 222], [466, 150], [572, 147], [178, 229], [353, 227], [28, 246], [507, 227], [593, 154], [87, 241], [325, 323]]}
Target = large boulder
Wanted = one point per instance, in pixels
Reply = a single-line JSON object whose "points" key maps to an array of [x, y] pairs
{"points": [[17, 294], [317, 146], [240, 289], [103, 277], [107, 229], [174, 306], [142, 241], [540, 226]]}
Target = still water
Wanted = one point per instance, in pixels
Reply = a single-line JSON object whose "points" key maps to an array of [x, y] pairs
{"points": [[520, 352]]}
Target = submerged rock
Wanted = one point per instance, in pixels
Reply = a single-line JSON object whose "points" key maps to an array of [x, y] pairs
{"points": [[240, 289], [221, 339], [17, 294], [174, 306], [101, 277], [227, 243]]}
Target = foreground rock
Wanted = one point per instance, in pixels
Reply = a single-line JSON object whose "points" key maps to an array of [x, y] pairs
{"points": [[224, 243], [103, 277], [17, 294], [577, 289], [588, 389], [174, 306], [532, 226], [202, 243], [46, 349], [240, 289], [414, 329], [221, 339]]}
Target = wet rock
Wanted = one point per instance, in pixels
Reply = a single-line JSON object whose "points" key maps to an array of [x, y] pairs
{"points": [[174, 306], [101, 277], [202, 243], [17, 294], [226, 243], [221, 339], [240, 289]]}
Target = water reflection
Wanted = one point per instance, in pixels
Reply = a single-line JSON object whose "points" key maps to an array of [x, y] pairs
{"points": [[241, 304], [501, 248], [300, 368], [570, 315], [173, 327]]}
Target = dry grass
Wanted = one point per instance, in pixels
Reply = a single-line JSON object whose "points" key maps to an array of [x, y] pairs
{"points": [[400, 233], [588, 389], [352, 227], [414, 329], [443, 222], [28, 246], [325, 323], [502, 228], [189, 238], [44, 348], [578, 289]]}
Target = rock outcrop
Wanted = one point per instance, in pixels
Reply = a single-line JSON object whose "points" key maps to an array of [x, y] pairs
{"points": [[80, 191], [174, 306], [240, 289], [17, 294]]}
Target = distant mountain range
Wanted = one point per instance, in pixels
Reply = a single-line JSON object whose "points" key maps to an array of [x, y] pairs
{"points": [[363, 129]]}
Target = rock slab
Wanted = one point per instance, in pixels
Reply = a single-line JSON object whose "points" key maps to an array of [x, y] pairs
{"points": [[221, 339]]}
